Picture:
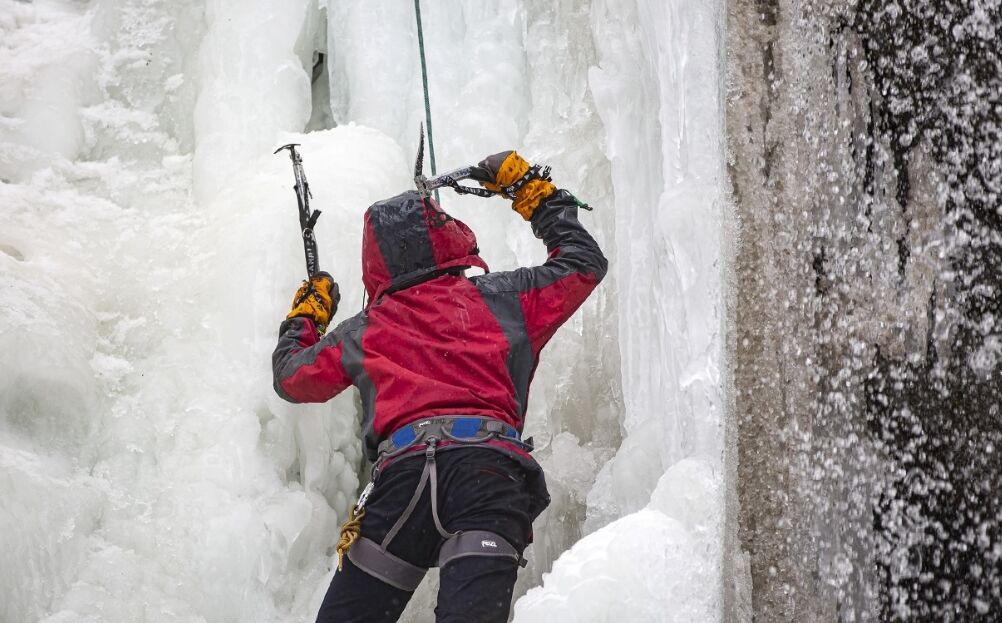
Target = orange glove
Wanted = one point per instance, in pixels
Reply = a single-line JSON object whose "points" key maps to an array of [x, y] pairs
{"points": [[505, 169], [316, 299]]}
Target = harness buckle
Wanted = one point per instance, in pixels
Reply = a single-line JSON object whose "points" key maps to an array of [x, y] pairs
{"points": [[429, 450]]}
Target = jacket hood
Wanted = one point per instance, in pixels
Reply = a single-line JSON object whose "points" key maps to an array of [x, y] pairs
{"points": [[408, 239]]}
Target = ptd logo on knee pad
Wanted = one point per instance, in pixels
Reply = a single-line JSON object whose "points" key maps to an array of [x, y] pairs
{"points": [[489, 544]]}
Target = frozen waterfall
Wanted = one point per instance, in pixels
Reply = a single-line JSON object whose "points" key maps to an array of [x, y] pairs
{"points": [[782, 404], [148, 471]]}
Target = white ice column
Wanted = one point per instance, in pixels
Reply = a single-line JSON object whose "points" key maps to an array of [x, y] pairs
{"points": [[657, 88], [252, 85]]}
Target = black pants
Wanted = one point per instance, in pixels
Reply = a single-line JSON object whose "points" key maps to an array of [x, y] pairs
{"points": [[478, 489]]}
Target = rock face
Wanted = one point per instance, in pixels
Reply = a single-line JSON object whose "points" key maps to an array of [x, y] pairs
{"points": [[866, 168]]}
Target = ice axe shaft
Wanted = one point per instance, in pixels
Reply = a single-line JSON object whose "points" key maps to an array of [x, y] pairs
{"points": [[426, 186], [307, 218]]}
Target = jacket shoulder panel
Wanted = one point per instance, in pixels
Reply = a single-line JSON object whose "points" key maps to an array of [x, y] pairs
{"points": [[348, 329], [499, 282]]}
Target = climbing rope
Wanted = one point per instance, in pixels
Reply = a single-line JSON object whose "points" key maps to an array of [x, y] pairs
{"points": [[350, 532], [427, 100]]}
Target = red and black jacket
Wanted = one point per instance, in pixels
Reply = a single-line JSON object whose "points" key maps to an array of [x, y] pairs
{"points": [[432, 341]]}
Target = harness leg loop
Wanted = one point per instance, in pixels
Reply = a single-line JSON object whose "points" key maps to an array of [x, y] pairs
{"points": [[478, 543]]}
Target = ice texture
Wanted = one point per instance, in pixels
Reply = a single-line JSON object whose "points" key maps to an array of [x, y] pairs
{"points": [[148, 471], [656, 564], [656, 89]]}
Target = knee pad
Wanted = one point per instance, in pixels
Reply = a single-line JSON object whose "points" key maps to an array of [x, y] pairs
{"points": [[477, 543]]}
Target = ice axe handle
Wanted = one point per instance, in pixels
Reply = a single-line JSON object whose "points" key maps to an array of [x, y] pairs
{"points": [[451, 179], [307, 217]]}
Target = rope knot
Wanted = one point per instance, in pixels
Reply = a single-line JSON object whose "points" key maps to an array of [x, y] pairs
{"points": [[350, 531]]}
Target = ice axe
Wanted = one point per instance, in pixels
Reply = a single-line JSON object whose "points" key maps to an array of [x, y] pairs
{"points": [[426, 186], [307, 218]]}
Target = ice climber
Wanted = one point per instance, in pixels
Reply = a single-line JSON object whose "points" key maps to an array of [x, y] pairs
{"points": [[443, 363]]}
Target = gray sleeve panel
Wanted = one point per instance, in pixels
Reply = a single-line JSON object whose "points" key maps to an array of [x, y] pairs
{"points": [[507, 310], [283, 360], [476, 543], [289, 356], [555, 221], [380, 564], [353, 359]]}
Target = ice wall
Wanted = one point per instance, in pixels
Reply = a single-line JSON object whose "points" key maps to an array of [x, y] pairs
{"points": [[138, 424], [252, 85], [657, 91], [147, 469]]}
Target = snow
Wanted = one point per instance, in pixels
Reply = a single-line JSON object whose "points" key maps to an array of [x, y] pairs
{"points": [[652, 565], [148, 470]]}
